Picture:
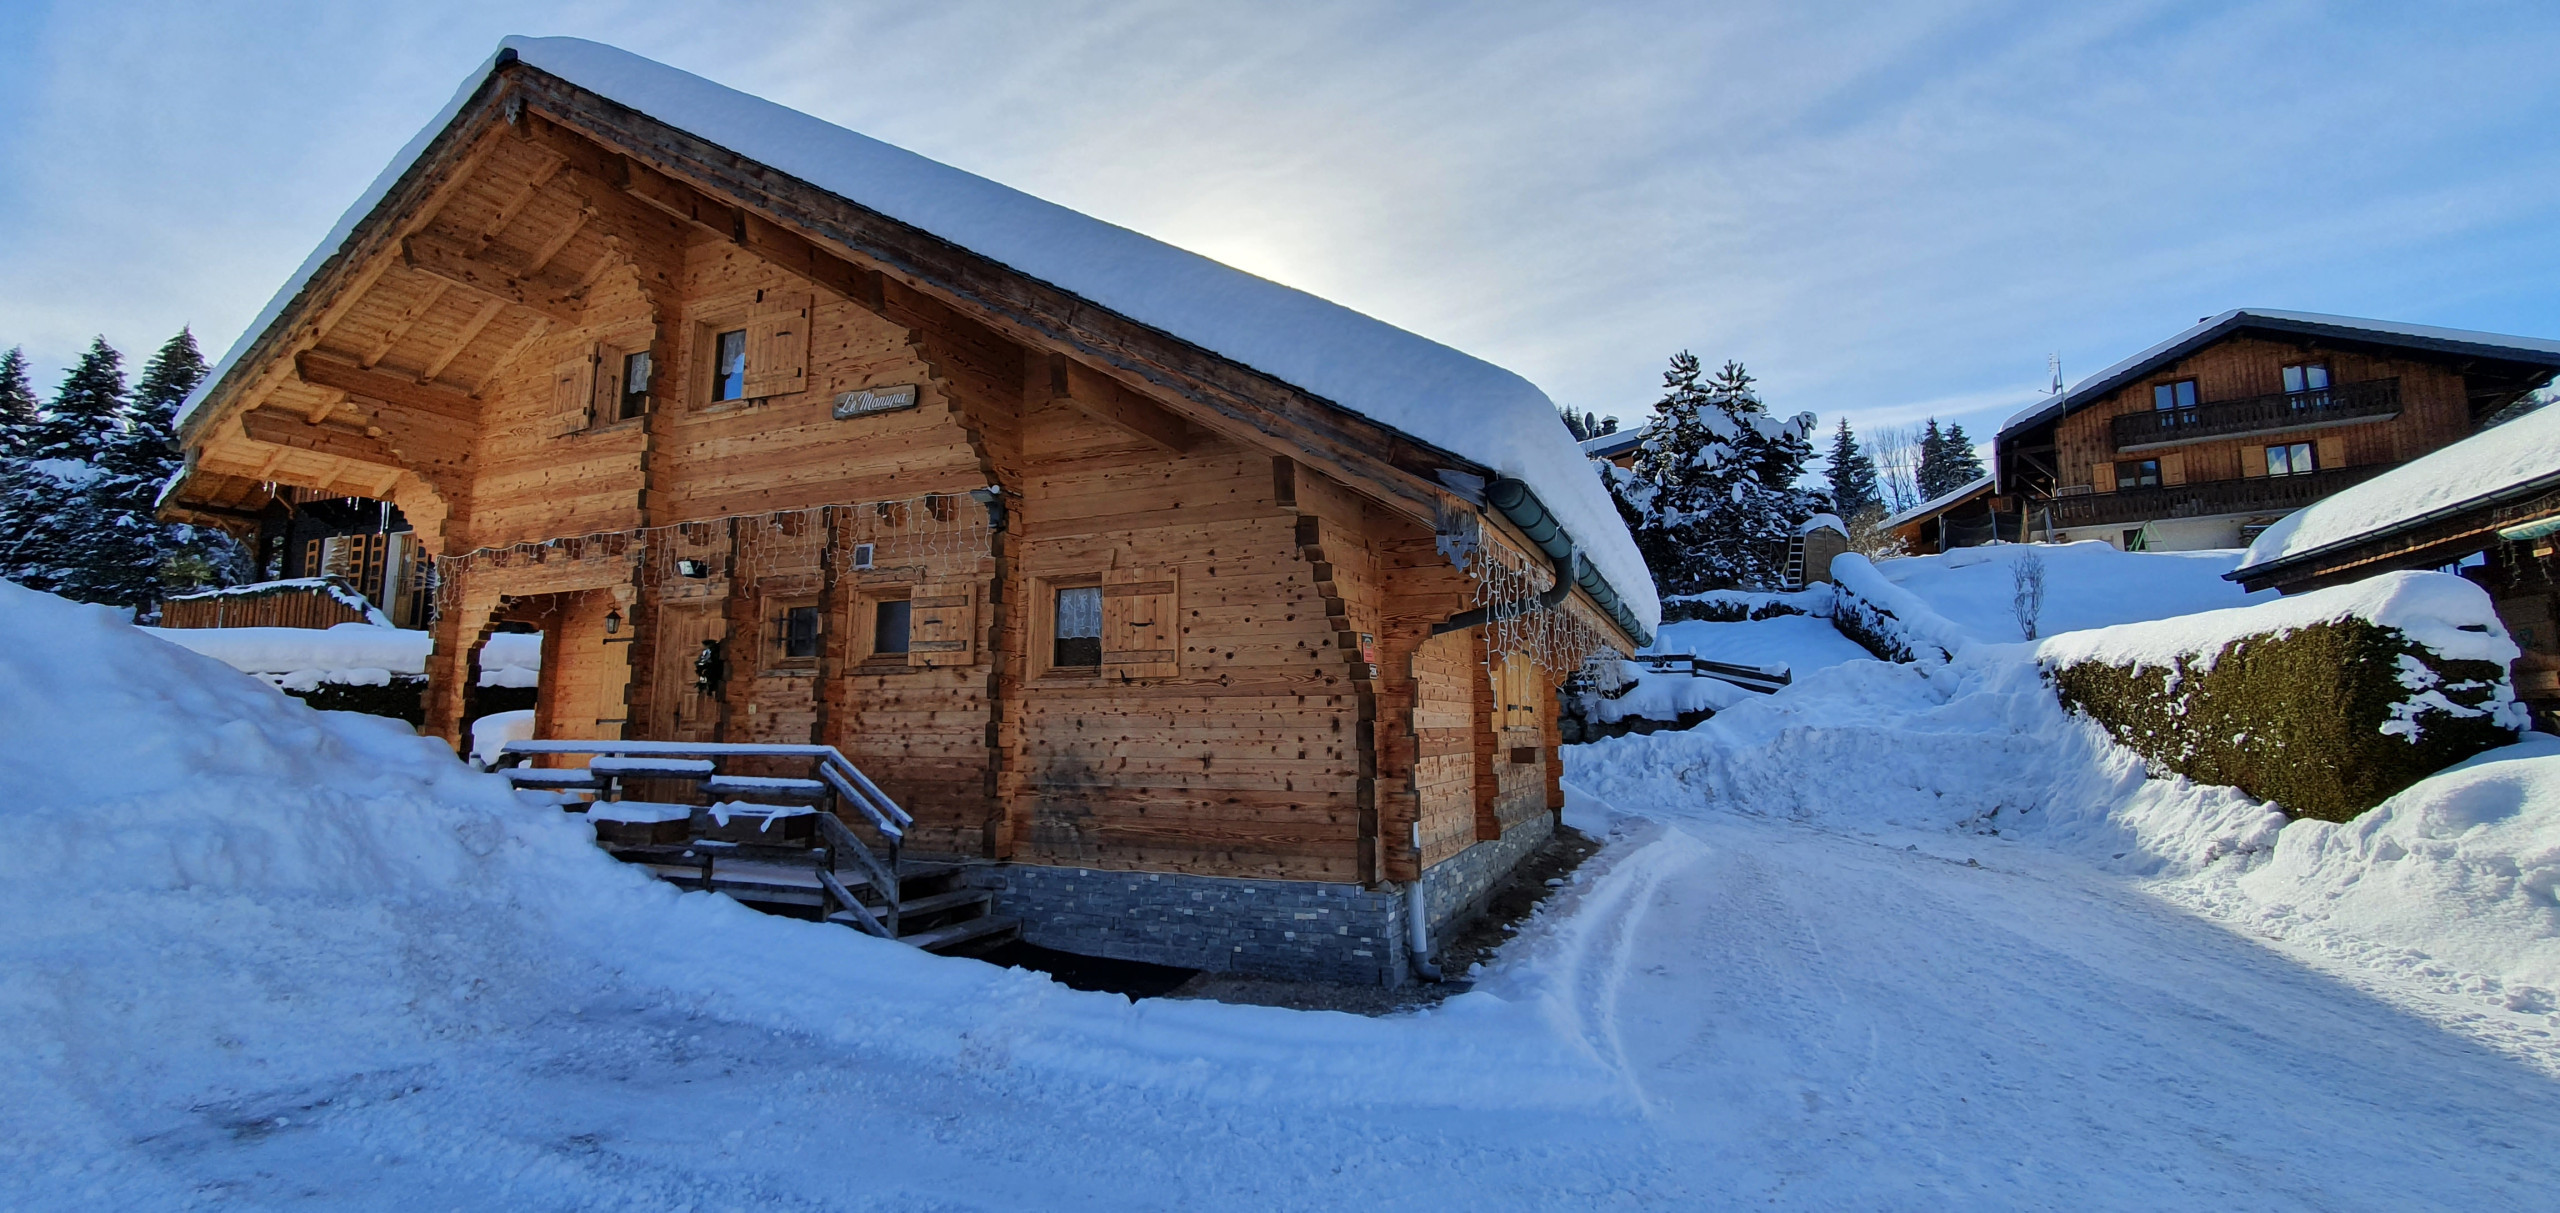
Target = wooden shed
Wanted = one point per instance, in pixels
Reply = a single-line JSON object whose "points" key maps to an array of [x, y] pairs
{"points": [[1216, 618]]}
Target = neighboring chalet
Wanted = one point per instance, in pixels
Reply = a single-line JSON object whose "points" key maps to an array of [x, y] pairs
{"points": [[1619, 448], [2206, 439], [1215, 620], [2487, 507], [1959, 518]]}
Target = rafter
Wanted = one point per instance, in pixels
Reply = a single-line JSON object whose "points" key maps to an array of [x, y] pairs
{"points": [[499, 367], [551, 248], [1103, 400], [449, 260], [533, 189], [279, 428], [400, 326], [462, 340]]}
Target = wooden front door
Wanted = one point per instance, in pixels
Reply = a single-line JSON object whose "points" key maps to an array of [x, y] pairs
{"points": [[679, 708]]}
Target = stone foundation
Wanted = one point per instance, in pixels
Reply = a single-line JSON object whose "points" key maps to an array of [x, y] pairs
{"points": [[1298, 930]]}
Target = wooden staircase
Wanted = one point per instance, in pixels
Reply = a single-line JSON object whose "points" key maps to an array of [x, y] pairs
{"points": [[830, 843]]}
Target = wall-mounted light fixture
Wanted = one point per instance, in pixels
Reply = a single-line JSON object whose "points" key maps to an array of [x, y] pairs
{"points": [[991, 497], [612, 622], [696, 569]]}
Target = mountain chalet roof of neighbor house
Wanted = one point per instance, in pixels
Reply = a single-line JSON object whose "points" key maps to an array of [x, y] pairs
{"points": [[2531, 350], [1468, 408]]}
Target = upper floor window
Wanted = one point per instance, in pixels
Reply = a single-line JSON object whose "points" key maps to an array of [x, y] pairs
{"points": [[2179, 395], [2289, 459], [2307, 383], [635, 385], [729, 365], [2138, 474]]}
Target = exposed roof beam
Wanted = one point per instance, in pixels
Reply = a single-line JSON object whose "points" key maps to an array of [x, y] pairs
{"points": [[449, 260], [1103, 400], [507, 214], [281, 428], [400, 326], [320, 370], [462, 340]]}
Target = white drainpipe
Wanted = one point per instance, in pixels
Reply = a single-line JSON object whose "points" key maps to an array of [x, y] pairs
{"points": [[1418, 933]]}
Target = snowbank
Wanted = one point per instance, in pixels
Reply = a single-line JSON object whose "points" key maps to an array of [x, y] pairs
{"points": [[351, 654], [1801, 643], [1420, 387], [1887, 619], [492, 732], [2086, 585], [2512, 458], [1656, 696], [229, 912]]}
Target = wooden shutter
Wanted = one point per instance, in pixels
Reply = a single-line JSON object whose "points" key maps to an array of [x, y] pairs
{"points": [[2329, 453], [942, 623], [778, 345], [2173, 468], [2102, 477], [1141, 627], [573, 394]]}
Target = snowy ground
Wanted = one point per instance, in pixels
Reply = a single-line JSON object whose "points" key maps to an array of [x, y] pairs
{"points": [[266, 957], [2087, 585]]}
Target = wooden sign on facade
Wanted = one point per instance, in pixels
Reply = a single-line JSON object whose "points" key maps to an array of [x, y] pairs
{"points": [[875, 400]]}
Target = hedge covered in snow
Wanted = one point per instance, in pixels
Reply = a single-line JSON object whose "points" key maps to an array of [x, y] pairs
{"points": [[1888, 620], [2327, 703]]}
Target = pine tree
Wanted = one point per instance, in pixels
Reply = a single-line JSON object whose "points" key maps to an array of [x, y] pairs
{"points": [[1963, 467], [50, 540], [1712, 491], [136, 558], [1853, 476], [18, 413], [1932, 472]]}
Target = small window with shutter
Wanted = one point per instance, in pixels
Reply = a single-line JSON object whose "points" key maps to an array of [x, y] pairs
{"points": [[729, 365], [777, 345], [1140, 627], [1075, 620], [942, 622], [573, 393]]}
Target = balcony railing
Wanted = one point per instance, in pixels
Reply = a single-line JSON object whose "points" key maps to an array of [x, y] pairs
{"points": [[2253, 495], [2371, 400]]}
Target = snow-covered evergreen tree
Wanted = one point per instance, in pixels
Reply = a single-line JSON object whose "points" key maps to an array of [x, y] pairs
{"points": [[1713, 487], [1947, 461], [49, 543], [137, 558], [1852, 475], [18, 411]]}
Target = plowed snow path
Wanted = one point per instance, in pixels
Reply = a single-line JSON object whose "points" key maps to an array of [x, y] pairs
{"points": [[1829, 1020]]}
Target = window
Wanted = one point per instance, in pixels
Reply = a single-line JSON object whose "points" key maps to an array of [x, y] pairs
{"points": [[800, 633], [729, 365], [2306, 377], [635, 385], [1079, 627], [889, 626], [2133, 540], [2179, 395], [2289, 459], [2144, 474]]}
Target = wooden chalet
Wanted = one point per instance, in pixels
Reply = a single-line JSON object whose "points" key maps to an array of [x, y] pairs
{"points": [[1962, 517], [1202, 621], [2204, 440]]}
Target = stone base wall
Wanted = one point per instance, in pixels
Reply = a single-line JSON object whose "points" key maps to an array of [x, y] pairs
{"points": [[1298, 930]]}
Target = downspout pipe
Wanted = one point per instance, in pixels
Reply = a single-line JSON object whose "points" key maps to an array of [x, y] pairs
{"points": [[1417, 930], [1547, 601]]}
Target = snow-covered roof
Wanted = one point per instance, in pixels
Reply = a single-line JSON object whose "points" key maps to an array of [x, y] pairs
{"points": [[1951, 497], [2309, 324], [1609, 445], [2517, 459], [1822, 522], [1424, 389]]}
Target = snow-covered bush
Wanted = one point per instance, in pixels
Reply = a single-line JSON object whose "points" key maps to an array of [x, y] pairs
{"points": [[2326, 704], [1885, 619]]}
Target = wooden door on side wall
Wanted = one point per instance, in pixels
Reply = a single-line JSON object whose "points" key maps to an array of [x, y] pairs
{"points": [[1445, 674], [679, 709]]}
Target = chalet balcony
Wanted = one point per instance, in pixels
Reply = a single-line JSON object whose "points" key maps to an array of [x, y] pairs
{"points": [[2344, 404], [2203, 499]]}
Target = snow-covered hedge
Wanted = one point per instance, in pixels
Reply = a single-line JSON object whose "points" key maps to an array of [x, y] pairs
{"points": [[1735, 606], [2326, 703], [1891, 622]]}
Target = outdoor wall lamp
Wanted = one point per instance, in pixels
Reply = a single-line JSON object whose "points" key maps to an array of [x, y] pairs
{"points": [[991, 497], [612, 622], [696, 569]]}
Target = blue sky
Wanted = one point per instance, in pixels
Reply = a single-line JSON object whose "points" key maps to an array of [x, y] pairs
{"points": [[1886, 212]]}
